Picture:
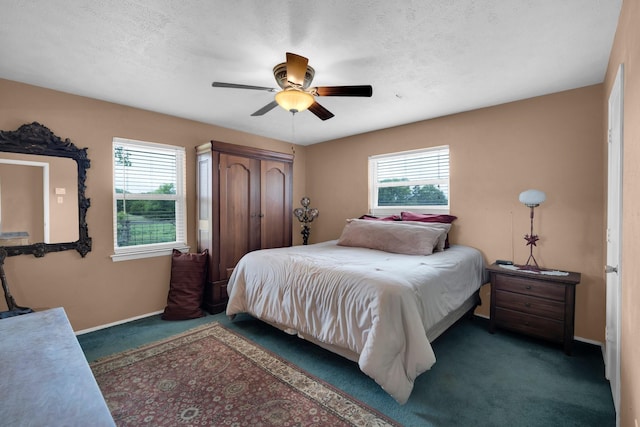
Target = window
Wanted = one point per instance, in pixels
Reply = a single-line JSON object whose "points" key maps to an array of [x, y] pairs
{"points": [[149, 206], [409, 181]]}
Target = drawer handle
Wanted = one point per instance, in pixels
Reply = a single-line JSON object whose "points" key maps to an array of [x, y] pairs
{"points": [[528, 287], [527, 304]]}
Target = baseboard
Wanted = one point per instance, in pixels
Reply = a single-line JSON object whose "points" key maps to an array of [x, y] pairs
{"points": [[119, 322], [588, 341]]}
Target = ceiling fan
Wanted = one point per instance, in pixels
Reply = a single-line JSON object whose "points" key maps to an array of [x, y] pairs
{"points": [[294, 78]]}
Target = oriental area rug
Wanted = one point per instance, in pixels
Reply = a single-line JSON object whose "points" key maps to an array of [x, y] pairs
{"points": [[211, 376]]}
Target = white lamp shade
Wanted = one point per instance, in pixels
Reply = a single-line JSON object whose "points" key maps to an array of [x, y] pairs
{"points": [[294, 100], [532, 198]]}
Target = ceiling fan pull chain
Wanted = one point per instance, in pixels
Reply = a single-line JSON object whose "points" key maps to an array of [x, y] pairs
{"points": [[293, 127]]}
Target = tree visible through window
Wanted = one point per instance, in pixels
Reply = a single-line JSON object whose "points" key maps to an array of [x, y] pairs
{"points": [[406, 180], [148, 194], [417, 195]]}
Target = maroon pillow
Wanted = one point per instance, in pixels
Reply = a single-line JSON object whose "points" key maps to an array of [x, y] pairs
{"points": [[376, 218], [444, 218], [188, 273], [411, 216]]}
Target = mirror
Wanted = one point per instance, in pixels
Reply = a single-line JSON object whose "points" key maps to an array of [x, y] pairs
{"points": [[38, 199], [42, 202]]}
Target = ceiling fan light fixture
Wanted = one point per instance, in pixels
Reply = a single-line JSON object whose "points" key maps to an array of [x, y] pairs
{"points": [[294, 78], [294, 100]]}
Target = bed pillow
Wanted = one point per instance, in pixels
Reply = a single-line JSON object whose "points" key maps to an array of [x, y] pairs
{"points": [[443, 218], [188, 273], [444, 228], [390, 237], [412, 216], [377, 218]]}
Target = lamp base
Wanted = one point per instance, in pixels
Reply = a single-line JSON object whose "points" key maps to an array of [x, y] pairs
{"points": [[305, 234], [528, 266]]}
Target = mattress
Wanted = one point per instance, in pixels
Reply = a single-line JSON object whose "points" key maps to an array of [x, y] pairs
{"points": [[372, 306]]}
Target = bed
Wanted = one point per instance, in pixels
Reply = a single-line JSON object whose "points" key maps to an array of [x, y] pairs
{"points": [[380, 309]]}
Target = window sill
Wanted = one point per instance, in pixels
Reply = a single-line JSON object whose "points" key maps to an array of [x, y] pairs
{"points": [[139, 253]]}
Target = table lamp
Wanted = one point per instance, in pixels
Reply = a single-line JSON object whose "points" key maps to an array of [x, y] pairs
{"points": [[531, 199]]}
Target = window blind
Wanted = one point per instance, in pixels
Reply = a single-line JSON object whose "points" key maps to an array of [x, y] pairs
{"points": [[149, 202], [410, 180]]}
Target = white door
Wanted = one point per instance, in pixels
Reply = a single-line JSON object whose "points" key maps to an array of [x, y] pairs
{"points": [[614, 235]]}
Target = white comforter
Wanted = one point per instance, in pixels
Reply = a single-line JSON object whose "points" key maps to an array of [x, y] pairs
{"points": [[372, 303]]}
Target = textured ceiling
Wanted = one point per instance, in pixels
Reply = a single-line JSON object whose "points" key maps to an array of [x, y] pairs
{"points": [[424, 59]]}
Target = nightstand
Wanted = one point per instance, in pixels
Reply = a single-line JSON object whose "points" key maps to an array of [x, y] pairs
{"points": [[535, 304]]}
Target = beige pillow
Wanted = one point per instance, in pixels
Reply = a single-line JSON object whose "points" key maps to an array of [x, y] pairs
{"points": [[388, 236], [436, 225]]}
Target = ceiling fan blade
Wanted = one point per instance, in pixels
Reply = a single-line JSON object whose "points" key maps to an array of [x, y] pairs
{"points": [[362, 90], [320, 111], [270, 106], [296, 68], [237, 86]]}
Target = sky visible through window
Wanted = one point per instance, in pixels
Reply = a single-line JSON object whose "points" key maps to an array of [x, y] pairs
{"points": [[143, 172]]}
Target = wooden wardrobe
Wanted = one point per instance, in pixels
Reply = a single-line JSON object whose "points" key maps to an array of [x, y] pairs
{"points": [[244, 204]]}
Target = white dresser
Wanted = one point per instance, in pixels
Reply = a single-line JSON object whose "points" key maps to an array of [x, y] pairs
{"points": [[45, 377]]}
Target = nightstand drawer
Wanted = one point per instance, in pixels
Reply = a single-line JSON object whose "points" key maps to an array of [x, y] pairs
{"points": [[526, 286], [529, 304], [530, 324]]}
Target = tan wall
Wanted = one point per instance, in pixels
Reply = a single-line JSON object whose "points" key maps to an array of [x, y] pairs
{"points": [[63, 208], [94, 290], [552, 143], [626, 49]]}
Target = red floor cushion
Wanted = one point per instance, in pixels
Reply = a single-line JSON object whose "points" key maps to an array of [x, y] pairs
{"points": [[188, 273]]}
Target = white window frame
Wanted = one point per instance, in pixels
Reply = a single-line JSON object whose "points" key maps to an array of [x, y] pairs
{"points": [[374, 209], [156, 249]]}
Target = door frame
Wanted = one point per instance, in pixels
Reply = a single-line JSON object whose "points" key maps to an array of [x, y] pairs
{"points": [[614, 236]]}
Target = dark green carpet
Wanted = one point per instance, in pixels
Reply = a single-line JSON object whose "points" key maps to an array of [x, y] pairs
{"points": [[479, 379]]}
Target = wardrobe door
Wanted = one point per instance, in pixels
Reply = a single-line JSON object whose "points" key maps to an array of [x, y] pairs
{"points": [[276, 211], [239, 210]]}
